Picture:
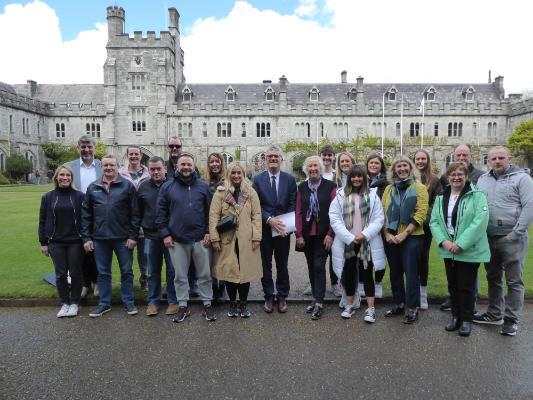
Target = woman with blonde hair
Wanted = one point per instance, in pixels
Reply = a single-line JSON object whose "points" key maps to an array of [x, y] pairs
{"points": [[60, 237], [405, 205], [345, 161], [236, 255], [422, 162]]}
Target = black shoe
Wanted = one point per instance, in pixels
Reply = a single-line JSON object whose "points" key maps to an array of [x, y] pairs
{"points": [[453, 324], [465, 329], [233, 312], [183, 312], [243, 310], [446, 305], [99, 311], [317, 312], [394, 311], [209, 313], [487, 319], [309, 309], [411, 317]]}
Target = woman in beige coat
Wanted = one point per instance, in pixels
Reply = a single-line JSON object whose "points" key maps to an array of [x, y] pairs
{"points": [[236, 255]]}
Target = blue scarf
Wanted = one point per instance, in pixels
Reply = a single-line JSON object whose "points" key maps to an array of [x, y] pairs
{"points": [[402, 205], [314, 208]]}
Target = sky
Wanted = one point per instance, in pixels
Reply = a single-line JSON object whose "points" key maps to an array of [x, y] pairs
{"points": [[311, 41]]}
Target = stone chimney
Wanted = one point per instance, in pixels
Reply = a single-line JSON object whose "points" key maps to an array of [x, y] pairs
{"points": [[343, 76], [359, 90], [498, 84], [31, 87], [282, 98]]}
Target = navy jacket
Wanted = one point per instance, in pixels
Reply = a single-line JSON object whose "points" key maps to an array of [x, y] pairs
{"points": [[286, 201], [47, 220], [183, 209], [147, 203], [110, 215]]}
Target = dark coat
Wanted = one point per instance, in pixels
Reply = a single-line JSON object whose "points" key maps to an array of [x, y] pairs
{"points": [[147, 203]]}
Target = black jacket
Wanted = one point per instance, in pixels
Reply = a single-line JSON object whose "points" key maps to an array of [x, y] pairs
{"points": [[147, 203], [110, 215], [47, 220]]}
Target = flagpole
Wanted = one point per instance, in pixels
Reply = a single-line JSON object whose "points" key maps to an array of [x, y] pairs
{"points": [[422, 136], [382, 124], [401, 128]]}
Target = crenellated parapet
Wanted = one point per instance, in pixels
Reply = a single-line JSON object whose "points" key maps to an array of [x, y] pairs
{"points": [[23, 103], [124, 40]]}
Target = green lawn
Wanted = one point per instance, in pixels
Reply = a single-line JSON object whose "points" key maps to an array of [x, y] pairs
{"points": [[22, 266]]}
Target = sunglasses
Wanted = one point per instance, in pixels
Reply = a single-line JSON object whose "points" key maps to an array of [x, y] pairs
{"points": [[174, 146]]}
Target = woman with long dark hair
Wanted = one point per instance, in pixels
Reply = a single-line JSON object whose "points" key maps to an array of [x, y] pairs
{"points": [[356, 217], [60, 237], [422, 162]]}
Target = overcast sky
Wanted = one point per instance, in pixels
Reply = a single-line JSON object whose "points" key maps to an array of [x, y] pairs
{"points": [[393, 41]]}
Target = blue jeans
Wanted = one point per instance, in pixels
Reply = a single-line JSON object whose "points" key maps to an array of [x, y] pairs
{"points": [[404, 258], [103, 255], [154, 251]]}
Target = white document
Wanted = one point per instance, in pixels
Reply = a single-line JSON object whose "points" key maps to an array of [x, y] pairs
{"points": [[289, 220]]}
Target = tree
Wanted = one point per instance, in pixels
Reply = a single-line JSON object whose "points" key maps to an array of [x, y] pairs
{"points": [[18, 166], [101, 150], [521, 141], [58, 154]]}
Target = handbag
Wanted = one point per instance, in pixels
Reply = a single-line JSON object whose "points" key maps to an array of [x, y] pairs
{"points": [[227, 224]]}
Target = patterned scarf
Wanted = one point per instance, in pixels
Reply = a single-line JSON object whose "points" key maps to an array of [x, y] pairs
{"points": [[314, 207], [402, 206], [242, 197], [363, 255]]}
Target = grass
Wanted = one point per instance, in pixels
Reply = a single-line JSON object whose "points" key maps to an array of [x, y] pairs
{"points": [[22, 266]]}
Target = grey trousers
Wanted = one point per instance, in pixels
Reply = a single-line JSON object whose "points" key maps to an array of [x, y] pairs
{"points": [[181, 255], [507, 257]]}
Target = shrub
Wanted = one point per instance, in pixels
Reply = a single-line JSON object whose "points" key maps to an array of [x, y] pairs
{"points": [[4, 180], [18, 166]]}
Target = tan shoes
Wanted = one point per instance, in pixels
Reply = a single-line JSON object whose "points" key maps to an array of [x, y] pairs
{"points": [[151, 310]]}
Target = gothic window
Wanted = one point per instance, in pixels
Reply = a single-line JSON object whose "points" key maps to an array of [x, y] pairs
{"points": [[352, 94], [185, 129], [187, 94], [450, 129], [23, 126], [436, 129], [11, 124], [262, 129], [269, 94], [227, 158], [391, 94], [485, 159], [455, 129], [138, 82], [321, 128], [243, 130], [460, 129], [92, 129], [224, 129], [430, 94], [492, 129], [474, 129], [204, 129], [230, 94], [314, 94], [398, 129], [2, 161], [469, 94], [60, 130], [414, 129], [138, 119]]}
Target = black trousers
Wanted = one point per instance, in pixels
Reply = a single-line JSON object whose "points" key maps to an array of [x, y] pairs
{"points": [[90, 273], [68, 258], [242, 288], [423, 267], [350, 279], [461, 283], [316, 255]]}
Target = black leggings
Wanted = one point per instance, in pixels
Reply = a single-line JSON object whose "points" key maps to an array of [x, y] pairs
{"points": [[423, 267], [68, 259], [350, 273], [242, 288]]}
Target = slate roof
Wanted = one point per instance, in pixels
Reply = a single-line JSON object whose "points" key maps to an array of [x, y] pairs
{"points": [[83, 93], [250, 93], [7, 88]]}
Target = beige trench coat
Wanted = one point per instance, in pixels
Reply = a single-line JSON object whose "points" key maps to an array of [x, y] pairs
{"points": [[226, 267]]}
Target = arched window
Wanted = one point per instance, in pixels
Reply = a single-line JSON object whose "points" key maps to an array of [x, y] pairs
{"points": [[2, 161], [321, 128], [352, 94], [436, 129], [414, 129], [460, 129], [474, 129], [187, 94], [230, 94], [204, 129], [398, 129], [308, 127], [450, 129], [243, 130], [455, 129], [469, 93], [224, 129], [391, 94], [269, 94], [314, 94], [227, 158]]}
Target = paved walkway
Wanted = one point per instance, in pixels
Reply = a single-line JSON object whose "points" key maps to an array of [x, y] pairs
{"points": [[266, 357]]}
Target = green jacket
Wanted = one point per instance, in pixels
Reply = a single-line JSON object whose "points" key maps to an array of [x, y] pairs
{"points": [[470, 228]]}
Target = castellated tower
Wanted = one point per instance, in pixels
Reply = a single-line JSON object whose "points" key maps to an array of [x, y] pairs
{"points": [[140, 78]]}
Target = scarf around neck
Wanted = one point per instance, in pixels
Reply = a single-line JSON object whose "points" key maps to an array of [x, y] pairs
{"points": [[402, 205], [363, 255], [314, 207]]}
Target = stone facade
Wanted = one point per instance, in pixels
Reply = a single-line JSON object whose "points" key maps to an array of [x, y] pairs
{"points": [[145, 99]]}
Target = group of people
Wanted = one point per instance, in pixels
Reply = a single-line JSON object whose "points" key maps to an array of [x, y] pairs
{"points": [[222, 231]]}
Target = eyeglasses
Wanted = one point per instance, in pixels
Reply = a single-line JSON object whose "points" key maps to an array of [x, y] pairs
{"points": [[174, 146]]}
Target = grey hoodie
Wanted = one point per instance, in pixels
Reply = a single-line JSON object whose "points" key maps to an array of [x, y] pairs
{"points": [[510, 199]]}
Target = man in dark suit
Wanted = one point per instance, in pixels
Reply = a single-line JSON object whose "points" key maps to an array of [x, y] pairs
{"points": [[277, 193]]}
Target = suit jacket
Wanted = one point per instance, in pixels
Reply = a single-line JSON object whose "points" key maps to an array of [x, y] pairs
{"points": [[286, 201], [75, 166]]}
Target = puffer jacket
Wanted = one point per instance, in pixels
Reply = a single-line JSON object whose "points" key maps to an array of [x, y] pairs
{"points": [[472, 218], [110, 215], [510, 199], [343, 237]]}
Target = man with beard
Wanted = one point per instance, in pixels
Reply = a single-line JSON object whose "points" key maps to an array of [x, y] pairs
{"points": [[183, 221], [86, 170], [174, 150]]}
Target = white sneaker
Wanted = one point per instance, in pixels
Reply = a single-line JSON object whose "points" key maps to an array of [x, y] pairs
{"points": [[349, 310], [361, 289], [72, 310], [84, 291], [96, 291], [63, 312], [378, 291], [424, 298], [337, 290], [370, 315]]}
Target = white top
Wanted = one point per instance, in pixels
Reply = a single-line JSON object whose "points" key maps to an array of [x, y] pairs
{"points": [[87, 175], [451, 205], [328, 175]]}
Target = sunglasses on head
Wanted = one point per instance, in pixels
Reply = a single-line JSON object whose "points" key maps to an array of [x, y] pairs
{"points": [[174, 146]]}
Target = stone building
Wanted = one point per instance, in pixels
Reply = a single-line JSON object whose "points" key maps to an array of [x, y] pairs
{"points": [[145, 99]]}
